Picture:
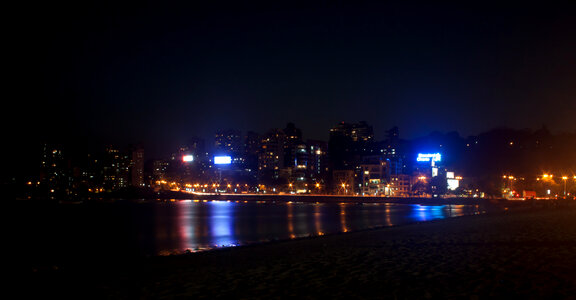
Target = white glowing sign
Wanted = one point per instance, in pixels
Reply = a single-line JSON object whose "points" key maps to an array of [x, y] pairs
{"points": [[453, 184], [187, 158], [427, 157], [222, 160]]}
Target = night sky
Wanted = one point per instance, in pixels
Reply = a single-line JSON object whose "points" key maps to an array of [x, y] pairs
{"points": [[161, 72]]}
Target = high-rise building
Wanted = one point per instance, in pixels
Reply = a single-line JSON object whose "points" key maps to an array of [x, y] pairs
{"points": [[293, 139], [137, 167], [392, 149], [362, 132], [87, 174], [318, 162], [348, 142], [340, 147], [55, 175], [160, 169], [271, 156], [116, 169], [228, 142], [299, 168], [251, 150]]}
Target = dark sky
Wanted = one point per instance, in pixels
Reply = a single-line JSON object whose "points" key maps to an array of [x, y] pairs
{"points": [[161, 72]]}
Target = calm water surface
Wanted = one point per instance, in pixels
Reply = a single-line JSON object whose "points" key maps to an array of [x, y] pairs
{"points": [[162, 228]]}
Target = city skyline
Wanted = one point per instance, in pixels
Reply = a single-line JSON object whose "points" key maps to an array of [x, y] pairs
{"points": [[351, 161], [336, 149]]}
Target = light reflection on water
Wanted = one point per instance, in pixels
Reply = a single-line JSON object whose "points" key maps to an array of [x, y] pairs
{"points": [[163, 228], [215, 224], [221, 223]]}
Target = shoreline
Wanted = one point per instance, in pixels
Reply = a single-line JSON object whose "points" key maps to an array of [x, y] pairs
{"points": [[346, 199], [528, 252], [306, 198]]}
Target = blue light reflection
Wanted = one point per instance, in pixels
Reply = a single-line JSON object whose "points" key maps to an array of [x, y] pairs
{"points": [[423, 213], [222, 223]]}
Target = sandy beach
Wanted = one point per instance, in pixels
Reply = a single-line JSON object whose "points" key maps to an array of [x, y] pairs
{"points": [[527, 252]]}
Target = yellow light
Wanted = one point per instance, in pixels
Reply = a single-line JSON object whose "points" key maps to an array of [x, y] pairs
{"points": [[564, 177]]}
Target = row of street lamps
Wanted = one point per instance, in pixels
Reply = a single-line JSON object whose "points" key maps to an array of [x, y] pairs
{"points": [[550, 176], [544, 177]]}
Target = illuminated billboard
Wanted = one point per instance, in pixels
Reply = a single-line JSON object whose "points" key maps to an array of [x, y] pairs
{"points": [[453, 184], [187, 158], [427, 157], [222, 160]]}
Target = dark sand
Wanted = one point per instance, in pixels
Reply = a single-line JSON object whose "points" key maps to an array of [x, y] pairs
{"points": [[529, 253]]}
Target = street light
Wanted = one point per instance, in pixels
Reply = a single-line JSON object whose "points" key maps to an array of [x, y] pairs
{"points": [[565, 178]]}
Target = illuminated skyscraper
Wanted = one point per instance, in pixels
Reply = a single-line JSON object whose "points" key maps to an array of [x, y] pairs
{"points": [[116, 169], [137, 167], [318, 161], [271, 156], [55, 174]]}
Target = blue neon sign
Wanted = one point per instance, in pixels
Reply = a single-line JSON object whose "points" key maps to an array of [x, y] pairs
{"points": [[427, 157]]}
